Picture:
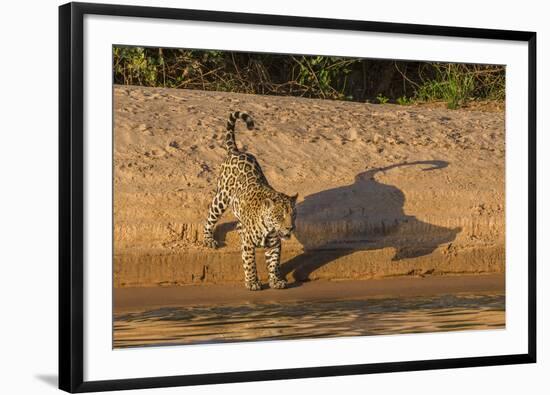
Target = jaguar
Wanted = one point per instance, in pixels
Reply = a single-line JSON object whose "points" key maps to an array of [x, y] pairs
{"points": [[265, 216]]}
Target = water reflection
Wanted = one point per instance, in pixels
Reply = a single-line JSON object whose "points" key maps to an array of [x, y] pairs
{"points": [[192, 325]]}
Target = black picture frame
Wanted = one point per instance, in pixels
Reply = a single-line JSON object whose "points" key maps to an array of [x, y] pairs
{"points": [[71, 181]]}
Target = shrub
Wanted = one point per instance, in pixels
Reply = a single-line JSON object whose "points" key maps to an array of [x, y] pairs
{"points": [[456, 84]]}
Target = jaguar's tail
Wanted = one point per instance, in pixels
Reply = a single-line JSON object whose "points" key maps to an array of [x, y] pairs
{"points": [[230, 144]]}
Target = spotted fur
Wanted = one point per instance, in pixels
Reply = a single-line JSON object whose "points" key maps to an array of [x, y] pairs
{"points": [[264, 215]]}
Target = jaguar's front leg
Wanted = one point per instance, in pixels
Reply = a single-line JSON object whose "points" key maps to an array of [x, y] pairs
{"points": [[273, 261], [249, 264]]}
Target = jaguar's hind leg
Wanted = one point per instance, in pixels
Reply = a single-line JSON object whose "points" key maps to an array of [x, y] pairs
{"points": [[217, 207]]}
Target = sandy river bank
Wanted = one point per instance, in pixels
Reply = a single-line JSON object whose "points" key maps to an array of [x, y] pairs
{"points": [[385, 190]]}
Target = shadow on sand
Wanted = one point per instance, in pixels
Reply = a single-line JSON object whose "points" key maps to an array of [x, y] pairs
{"points": [[366, 215]]}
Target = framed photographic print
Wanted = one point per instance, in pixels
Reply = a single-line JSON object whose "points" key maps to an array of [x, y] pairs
{"points": [[251, 197]]}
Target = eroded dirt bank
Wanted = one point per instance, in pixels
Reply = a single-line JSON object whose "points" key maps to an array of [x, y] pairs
{"points": [[385, 190]]}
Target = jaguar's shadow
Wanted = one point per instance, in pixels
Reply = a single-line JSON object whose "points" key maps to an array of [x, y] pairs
{"points": [[221, 231], [366, 215]]}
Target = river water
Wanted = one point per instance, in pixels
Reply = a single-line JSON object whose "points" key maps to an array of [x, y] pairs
{"points": [[297, 320]]}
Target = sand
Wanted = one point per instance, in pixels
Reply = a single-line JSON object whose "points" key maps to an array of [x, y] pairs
{"points": [[148, 298], [384, 190]]}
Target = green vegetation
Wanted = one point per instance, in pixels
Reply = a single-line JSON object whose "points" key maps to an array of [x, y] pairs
{"points": [[382, 99], [450, 84], [404, 101], [456, 84], [326, 77]]}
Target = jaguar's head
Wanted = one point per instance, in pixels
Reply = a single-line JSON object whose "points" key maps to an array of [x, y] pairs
{"points": [[281, 214]]}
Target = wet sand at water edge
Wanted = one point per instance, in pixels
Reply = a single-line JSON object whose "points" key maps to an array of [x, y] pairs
{"points": [[145, 298]]}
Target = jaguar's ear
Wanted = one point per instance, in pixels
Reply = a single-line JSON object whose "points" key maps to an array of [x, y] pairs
{"points": [[293, 198], [268, 203]]}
